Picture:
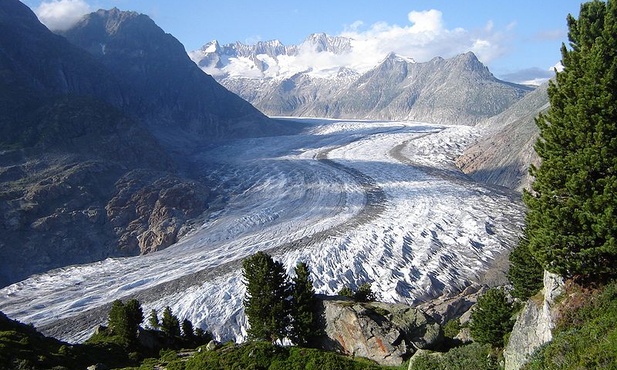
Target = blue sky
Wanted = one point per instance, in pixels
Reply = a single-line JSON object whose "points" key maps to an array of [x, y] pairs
{"points": [[517, 40]]}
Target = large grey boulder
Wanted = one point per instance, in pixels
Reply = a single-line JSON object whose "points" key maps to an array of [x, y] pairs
{"points": [[385, 333], [534, 323]]}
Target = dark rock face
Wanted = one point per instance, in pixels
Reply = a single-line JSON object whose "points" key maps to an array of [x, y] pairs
{"points": [[385, 333], [149, 211], [162, 86]]}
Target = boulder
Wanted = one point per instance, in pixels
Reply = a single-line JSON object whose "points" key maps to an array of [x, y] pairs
{"points": [[385, 333], [534, 323]]}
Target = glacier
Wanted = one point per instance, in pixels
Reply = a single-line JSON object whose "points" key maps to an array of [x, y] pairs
{"points": [[359, 201]]}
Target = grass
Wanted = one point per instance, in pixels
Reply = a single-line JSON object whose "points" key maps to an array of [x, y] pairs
{"points": [[586, 337]]}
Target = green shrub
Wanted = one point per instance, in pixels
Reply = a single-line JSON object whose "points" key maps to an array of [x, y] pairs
{"points": [[491, 318], [473, 356], [452, 328]]}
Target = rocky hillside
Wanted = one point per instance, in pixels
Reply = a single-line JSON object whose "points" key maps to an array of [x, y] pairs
{"points": [[281, 80], [88, 152], [503, 155]]}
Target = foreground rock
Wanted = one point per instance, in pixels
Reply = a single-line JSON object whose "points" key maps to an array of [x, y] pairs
{"points": [[534, 323], [382, 332]]}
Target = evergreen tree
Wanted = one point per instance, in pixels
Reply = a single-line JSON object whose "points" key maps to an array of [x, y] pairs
{"points": [[304, 320], [124, 319], [572, 218], [170, 324], [135, 315], [187, 329], [525, 273], [153, 320], [266, 303], [491, 318], [364, 293], [346, 292]]}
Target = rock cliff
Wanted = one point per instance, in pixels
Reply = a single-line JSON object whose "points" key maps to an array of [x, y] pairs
{"points": [[385, 333], [534, 323]]}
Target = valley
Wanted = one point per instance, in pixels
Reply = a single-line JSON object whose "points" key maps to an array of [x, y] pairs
{"points": [[359, 201]]}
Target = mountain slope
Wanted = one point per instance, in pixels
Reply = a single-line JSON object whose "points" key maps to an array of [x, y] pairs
{"points": [[503, 155], [176, 100]]}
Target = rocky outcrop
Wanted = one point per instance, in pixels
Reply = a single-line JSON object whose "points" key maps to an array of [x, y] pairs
{"points": [[534, 323], [385, 333], [149, 211], [446, 308]]}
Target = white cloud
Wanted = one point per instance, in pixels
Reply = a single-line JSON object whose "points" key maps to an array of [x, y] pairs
{"points": [[424, 38], [60, 15]]}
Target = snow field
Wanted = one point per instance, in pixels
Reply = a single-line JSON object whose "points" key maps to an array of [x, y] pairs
{"points": [[304, 198]]}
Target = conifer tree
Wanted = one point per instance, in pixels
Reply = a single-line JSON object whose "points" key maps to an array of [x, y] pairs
{"points": [[304, 319], [491, 318], [170, 324], [187, 329], [525, 273], [572, 218], [124, 319], [266, 303], [153, 320]]}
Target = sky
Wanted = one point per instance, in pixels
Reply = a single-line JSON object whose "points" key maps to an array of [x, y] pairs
{"points": [[519, 41]]}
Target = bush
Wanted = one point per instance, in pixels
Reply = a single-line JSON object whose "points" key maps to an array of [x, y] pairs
{"points": [[472, 356]]}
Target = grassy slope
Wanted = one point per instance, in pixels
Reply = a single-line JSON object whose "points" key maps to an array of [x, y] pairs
{"points": [[586, 337]]}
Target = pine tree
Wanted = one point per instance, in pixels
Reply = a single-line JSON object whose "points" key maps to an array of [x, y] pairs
{"points": [[187, 329], [266, 304], [491, 318], [135, 315], [525, 273], [153, 320], [364, 293], [124, 319], [572, 218], [304, 319], [170, 324]]}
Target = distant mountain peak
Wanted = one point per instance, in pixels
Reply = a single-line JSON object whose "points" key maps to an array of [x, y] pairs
{"points": [[398, 58]]}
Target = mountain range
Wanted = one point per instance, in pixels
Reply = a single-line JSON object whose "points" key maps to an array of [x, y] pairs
{"points": [[320, 78]]}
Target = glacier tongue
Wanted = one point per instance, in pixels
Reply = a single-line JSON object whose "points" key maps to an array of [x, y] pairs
{"points": [[360, 201]]}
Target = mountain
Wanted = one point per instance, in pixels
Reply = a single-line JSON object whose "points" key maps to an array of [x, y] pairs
{"points": [[163, 87], [503, 155], [91, 145], [318, 78]]}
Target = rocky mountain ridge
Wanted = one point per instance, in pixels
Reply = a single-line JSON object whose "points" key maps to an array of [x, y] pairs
{"points": [[315, 79]]}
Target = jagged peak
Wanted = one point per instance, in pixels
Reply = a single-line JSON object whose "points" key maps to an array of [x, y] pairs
{"points": [[393, 57], [324, 42]]}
